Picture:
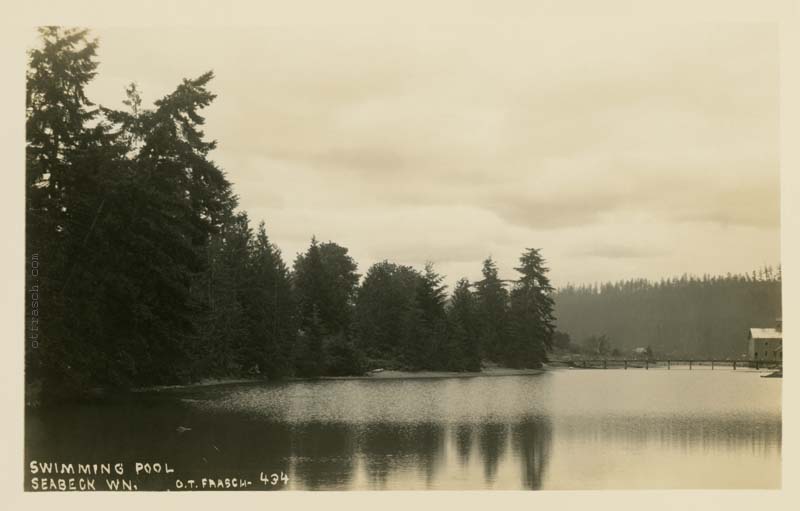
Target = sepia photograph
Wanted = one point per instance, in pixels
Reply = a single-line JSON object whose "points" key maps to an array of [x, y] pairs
{"points": [[407, 253]]}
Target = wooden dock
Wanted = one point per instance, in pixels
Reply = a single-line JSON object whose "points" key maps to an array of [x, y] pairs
{"points": [[612, 363]]}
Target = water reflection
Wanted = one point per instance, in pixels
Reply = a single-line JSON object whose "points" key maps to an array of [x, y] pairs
{"points": [[492, 443], [388, 449], [537, 433], [326, 456], [464, 438], [532, 440]]}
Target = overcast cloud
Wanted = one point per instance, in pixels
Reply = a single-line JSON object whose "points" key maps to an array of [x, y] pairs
{"points": [[622, 151]]}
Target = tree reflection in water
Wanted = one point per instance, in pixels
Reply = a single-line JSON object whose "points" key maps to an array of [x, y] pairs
{"points": [[555, 431]]}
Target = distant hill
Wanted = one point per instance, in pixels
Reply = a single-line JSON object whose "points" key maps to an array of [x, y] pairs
{"points": [[686, 316]]}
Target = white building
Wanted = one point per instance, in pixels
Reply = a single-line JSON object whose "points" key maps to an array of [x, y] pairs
{"points": [[765, 344]]}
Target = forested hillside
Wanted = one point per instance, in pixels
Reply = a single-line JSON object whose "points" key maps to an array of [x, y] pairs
{"points": [[687, 316]]}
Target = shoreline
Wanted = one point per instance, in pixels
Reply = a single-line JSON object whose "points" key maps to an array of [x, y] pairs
{"points": [[390, 374], [418, 375], [381, 375]]}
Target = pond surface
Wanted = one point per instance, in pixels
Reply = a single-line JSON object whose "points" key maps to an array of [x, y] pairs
{"points": [[563, 429]]}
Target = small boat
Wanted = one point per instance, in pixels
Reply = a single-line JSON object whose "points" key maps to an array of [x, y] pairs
{"points": [[774, 374]]}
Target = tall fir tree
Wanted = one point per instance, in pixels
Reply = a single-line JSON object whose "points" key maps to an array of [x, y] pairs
{"points": [[122, 207], [325, 284], [463, 330], [428, 347], [492, 304], [72, 164], [531, 313], [223, 345], [325, 277], [270, 308], [386, 298], [184, 227]]}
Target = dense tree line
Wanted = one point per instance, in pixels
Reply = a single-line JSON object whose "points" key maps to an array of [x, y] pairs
{"points": [[707, 316], [147, 272]]}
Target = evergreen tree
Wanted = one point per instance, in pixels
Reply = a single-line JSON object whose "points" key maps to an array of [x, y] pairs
{"points": [[386, 300], [341, 286], [492, 303], [309, 355], [71, 166], [325, 281], [185, 228], [427, 347], [531, 313], [122, 206], [270, 309], [310, 288], [464, 330], [57, 136], [223, 346], [325, 277]]}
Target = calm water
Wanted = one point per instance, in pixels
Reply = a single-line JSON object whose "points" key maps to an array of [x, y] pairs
{"points": [[566, 429]]}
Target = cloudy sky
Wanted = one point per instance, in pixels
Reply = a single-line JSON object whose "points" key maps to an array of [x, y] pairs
{"points": [[621, 150]]}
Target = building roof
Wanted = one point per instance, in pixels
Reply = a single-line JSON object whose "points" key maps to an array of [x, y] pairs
{"points": [[765, 333]]}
